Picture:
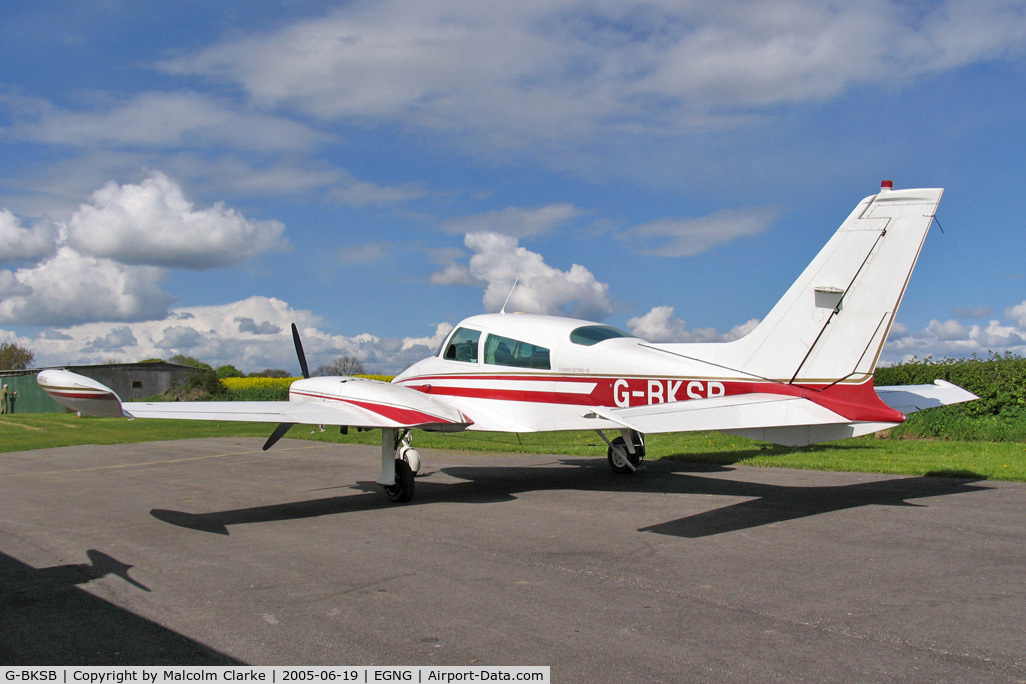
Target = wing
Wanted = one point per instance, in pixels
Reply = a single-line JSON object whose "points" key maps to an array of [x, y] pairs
{"points": [[792, 421], [256, 412], [739, 412], [912, 398], [356, 402]]}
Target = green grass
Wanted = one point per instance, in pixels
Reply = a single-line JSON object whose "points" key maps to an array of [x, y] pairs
{"points": [[988, 460], [43, 430]]}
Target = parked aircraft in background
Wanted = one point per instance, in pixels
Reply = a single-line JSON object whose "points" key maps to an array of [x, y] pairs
{"points": [[804, 375]]}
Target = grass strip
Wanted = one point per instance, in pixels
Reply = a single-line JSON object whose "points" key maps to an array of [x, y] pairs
{"points": [[969, 459]]}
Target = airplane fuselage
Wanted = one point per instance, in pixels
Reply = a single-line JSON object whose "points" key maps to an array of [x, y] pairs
{"points": [[527, 373]]}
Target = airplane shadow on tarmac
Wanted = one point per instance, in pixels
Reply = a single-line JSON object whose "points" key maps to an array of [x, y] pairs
{"points": [[766, 503], [48, 620]]}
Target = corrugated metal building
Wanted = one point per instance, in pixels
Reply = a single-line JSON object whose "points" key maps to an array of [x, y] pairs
{"points": [[131, 381]]}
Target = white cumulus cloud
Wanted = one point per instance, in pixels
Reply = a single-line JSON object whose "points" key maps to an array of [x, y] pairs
{"points": [[661, 325], [153, 223], [251, 326], [942, 339], [499, 261], [1017, 313], [222, 334], [18, 242], [108, 262], [116, 340], [73, 288]]}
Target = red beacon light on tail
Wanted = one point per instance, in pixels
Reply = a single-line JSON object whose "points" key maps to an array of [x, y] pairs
{"points": [[886, 185]]}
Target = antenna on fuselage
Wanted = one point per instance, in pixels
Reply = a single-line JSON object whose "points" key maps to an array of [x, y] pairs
{"points": [[503, 310]]}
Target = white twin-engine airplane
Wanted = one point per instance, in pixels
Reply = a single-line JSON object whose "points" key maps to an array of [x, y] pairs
{"points": [[804, 375]]}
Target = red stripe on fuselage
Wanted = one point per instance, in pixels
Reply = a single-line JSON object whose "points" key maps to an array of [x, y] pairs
{"points": [[856, 402]]}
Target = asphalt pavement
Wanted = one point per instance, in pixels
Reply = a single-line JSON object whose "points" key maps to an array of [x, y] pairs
{"points": [[211, 551]]}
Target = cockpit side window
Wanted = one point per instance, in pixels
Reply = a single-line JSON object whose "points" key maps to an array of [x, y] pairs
{"points": [[503, 351], [462, 345], [593, 334]]}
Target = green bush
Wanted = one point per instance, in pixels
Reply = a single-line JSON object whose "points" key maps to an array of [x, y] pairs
{"points": [[205, 380], [998, 415], [998, 380]]}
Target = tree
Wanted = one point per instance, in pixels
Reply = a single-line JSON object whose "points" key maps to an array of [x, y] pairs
{"points": [[228, 371], [342, 365], [15, 357], [270, 373]]}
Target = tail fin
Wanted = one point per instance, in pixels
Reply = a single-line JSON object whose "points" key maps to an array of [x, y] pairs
{"points": [[831, 325]]}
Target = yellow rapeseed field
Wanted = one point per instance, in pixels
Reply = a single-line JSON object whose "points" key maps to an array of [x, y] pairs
{"points": [[236, 384], [258, 383]]}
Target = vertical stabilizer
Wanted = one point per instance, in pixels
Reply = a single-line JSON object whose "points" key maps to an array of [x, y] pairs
{"points": [[832, 323]]}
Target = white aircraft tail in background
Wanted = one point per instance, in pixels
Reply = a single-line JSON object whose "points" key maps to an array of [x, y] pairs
{"points": [[804, 375]]}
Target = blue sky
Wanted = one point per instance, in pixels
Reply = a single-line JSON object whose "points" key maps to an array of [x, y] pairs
{"points": [[191, 177]]}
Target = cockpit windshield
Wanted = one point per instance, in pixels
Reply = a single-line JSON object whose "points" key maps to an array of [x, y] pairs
{"points": [[593, 334]]}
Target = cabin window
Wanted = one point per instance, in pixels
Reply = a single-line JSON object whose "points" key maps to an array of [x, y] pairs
{"points": [[593, 334], [462, 346], [503, 351]]}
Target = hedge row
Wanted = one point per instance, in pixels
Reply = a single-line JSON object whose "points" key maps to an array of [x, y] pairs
{"points": [[998, 380], [999, 415]]}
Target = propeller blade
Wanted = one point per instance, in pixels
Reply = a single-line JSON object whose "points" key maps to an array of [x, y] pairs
{"points": [[299, 352], [278, 433]]}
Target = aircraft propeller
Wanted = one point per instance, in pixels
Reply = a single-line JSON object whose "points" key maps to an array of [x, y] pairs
{"points": [[299, 352], [282, 428]]}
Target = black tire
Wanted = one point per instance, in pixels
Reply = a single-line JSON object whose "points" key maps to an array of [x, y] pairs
{"points": [[635, 458], [402, 490]]}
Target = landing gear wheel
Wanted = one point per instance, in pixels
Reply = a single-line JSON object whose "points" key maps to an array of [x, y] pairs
{"points": [[621, 460], [402, 490]]}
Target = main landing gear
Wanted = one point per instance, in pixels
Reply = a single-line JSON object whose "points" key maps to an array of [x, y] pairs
{"points": [[399, 464], [625, 452]]}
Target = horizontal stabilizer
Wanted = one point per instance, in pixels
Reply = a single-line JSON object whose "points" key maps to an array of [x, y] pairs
{"points": [[911, 398], [744, 411]]}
